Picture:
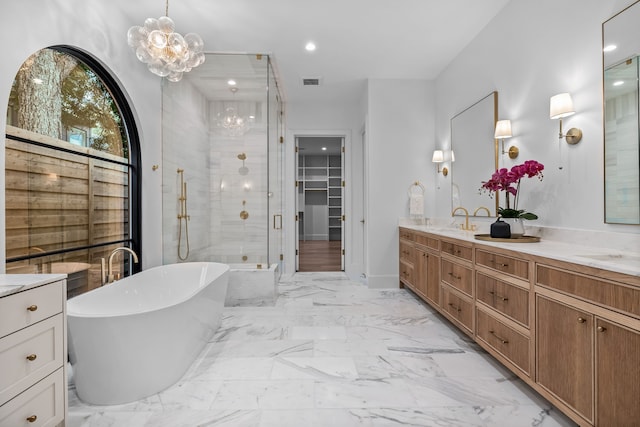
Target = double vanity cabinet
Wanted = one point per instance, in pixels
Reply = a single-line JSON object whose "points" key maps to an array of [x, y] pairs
{"points": [[33, 350], [569, 330]]}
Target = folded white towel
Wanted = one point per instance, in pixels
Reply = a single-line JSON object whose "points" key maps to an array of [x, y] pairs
{"points": [[416, 205]]}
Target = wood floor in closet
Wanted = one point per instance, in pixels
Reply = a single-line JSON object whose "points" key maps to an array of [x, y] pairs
{"points": [[320, 255]]}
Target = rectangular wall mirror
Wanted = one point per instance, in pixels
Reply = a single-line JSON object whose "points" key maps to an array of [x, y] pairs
{"points": [[476, 156], [621, 45]]}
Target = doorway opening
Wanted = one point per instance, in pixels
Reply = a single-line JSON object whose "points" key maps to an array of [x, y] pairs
{"points": [[320, 203]]}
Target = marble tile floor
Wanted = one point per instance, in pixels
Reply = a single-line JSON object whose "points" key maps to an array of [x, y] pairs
{"points": [[332, 352]]}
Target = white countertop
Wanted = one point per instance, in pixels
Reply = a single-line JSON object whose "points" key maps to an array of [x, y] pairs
{"points": [[625, 262], [12, 283]]}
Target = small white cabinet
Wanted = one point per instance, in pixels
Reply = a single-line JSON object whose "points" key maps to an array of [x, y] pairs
{"points": [[33, 348]]}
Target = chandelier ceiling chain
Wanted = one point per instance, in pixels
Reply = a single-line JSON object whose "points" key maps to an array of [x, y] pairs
{"points": [[166, 53]]}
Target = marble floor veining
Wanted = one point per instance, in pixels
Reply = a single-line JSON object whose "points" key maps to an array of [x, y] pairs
{"points": [[332, 352]]}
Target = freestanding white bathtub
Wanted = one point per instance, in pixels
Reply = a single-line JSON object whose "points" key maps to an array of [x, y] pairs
{"points": [[139, 335]]}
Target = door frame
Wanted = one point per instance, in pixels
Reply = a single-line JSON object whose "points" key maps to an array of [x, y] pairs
{"points": [[291, 264]]}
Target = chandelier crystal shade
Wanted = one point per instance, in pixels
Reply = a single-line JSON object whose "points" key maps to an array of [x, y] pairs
{"points": [[166, 53]]}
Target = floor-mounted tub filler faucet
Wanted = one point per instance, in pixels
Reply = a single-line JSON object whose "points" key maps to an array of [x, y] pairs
{"points": [[107, 275]]}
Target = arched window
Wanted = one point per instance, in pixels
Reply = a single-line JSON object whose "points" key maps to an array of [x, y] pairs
{"points": [[72, 170]]}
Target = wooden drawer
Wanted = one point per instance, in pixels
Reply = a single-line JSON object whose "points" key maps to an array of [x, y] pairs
{"points": [[503, 339], [406, 252], [505, 264], [427, 241], [619, 297], [20, 310], [406, 273], [30, 354], [458, 307], [45, 401], [458, 276], [406, 234], [457, 250], [504, 297]]}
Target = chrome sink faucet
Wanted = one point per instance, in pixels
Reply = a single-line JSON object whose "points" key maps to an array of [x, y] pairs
{"points": [[109, 277]]}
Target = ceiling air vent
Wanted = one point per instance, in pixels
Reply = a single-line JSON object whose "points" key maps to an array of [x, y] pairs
{"points": [[310, 81]]}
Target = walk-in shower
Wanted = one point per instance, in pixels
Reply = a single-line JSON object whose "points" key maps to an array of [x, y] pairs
{"points": [[222, 127]]}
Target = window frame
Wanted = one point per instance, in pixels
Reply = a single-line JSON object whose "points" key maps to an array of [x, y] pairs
{"points": [[134, 164]]}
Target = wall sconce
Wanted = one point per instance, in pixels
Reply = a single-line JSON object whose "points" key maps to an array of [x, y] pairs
{"points": [[503, 131], [561, 106], [438, 157]]}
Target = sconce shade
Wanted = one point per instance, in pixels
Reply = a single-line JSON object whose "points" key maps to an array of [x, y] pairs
{"points": [[503, 129], [561, 106], [438, 156]]}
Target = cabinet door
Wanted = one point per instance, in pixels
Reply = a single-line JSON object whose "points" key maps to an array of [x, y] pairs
{"points": [[428, 275], [564, 343], [618, 375]]}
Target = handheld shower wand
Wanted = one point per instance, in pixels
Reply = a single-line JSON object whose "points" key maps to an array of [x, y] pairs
{"points": [[183, 215]]}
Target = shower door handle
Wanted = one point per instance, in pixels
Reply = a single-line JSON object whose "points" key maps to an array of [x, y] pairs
{"points": [[277, 222]]}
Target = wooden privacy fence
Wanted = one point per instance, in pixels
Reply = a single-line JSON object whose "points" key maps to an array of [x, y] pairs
{"points": [[62, 199]]}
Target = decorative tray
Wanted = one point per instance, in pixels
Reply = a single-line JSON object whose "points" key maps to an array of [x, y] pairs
{"points": [[521, 239]]}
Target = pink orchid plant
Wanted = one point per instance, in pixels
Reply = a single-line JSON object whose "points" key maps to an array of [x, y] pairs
{"points": [[509, 182]]}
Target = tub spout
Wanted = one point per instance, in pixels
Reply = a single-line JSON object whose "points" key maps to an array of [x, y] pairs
{"points": [[110, 276]]}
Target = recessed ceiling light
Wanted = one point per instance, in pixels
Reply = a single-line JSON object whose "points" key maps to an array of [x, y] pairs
{"points": [[324, 148], [310, 47], [610, 48], [231, 82], [618, 83]]}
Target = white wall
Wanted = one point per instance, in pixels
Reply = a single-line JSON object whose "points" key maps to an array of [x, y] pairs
{"points": [[326, 120], [99, 28], [399, 145], [529, 52]]}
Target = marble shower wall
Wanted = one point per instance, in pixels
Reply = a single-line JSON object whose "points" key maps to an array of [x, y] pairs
{"points": [[186, 139], [234, 189]]}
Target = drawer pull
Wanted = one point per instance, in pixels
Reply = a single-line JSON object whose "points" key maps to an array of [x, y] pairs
{"points": [[32, 307], [456, 308], [581, 320], [502, 340], [498, 296], [601, 329], [32, 418], [454, 276], [493, 261], [32, 357]]}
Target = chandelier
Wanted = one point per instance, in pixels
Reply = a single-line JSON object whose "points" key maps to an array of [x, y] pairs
{"points": [[166, 53]]}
